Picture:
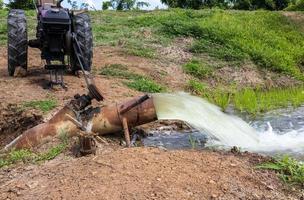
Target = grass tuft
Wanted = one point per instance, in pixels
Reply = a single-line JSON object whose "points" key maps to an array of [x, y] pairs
{"points": [[197, 69], [195, 87], [289, 169], [145, 85], [43, 105]]}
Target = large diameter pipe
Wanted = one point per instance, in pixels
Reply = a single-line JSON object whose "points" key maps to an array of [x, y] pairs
{"points": [[107, 121]]}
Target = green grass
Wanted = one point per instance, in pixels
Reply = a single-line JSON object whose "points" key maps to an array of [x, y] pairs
{"points": [[251, 101], [118, 71], [269, 39], [197, 69], [135, 81], [289, 169], [27, 156], [43, 105], [145, 85], [254, 101], [196, 87]]}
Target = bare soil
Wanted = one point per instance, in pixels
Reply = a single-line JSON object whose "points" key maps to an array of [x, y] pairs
{"points": [[145, 173], [116, 172]]}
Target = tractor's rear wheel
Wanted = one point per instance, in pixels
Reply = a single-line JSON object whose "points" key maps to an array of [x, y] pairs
{"points": [[17, 40], [83, 32]]}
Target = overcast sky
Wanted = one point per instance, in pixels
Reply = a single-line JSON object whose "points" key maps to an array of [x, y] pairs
{"points": [[97, 3]]}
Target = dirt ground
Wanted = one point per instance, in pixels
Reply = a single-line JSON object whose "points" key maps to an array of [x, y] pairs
{"points": [[116, 172], [145, 173]]}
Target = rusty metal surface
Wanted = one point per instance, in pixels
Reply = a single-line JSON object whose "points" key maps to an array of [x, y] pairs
{"points": [[43, 132], [107, 121], [110, 120]]}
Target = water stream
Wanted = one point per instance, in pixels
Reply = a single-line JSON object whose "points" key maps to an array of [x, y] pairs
{"points": [[280, 131]]}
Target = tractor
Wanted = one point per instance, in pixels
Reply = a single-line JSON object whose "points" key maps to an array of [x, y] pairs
{"points": [[63, 36]]}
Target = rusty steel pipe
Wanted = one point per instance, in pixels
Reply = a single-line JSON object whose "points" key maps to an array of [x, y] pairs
{"points": [[109, 120]]}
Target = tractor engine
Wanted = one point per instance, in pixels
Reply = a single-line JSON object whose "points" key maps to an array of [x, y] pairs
{"points": [[53, 34], [61, 33]]}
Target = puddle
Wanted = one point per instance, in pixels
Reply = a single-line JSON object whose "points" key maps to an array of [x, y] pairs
{"points": [[175, 139]]}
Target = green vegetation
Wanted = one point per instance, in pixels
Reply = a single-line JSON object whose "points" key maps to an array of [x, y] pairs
{"points": [[193, 141], [234, 4], [119, 71], [21, 4], [296, 5], [289, 169], [124, 4], [145, 85], [197, 69], [27, 156], [251, 101], [195, 87], [43, 105], [136, 81], [269, 39]]}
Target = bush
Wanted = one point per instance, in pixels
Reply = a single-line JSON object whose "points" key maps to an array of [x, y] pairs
{"points": [[296, 6], [21, 4]]}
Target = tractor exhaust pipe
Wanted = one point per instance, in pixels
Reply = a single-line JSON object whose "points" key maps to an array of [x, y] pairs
{"points": [[105, 120]]}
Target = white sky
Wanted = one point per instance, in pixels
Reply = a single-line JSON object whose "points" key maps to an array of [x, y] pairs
{"points": [[98, 3]]}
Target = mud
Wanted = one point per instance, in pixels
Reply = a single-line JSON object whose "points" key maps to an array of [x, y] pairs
{"points": [[14, 120]]}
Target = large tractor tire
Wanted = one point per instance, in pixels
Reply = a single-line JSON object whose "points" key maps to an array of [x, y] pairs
{"points": [[17, 41], [83, 32]]}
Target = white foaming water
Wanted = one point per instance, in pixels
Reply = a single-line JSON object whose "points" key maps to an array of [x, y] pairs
{"points": [[226, 130]]}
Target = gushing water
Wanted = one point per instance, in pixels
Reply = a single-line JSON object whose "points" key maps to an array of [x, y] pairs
{"points": [[223, 129]]}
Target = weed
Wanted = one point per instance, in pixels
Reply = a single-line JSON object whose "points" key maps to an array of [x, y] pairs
{"points": [[43, 105], [145, 85], [196, 87], [16, 156], [192, 141], [24, 155], [119, 71], [197, 69], [289, 169], [141, 51], [51, 153]]}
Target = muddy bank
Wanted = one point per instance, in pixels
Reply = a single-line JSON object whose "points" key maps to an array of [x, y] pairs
{"points": [[14, 120]]}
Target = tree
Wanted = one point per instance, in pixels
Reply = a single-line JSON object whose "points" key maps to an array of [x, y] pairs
{"points": [[106, 5], [124, 4], [21, 4], [195, 4], [1, 4], [260, 4]]}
